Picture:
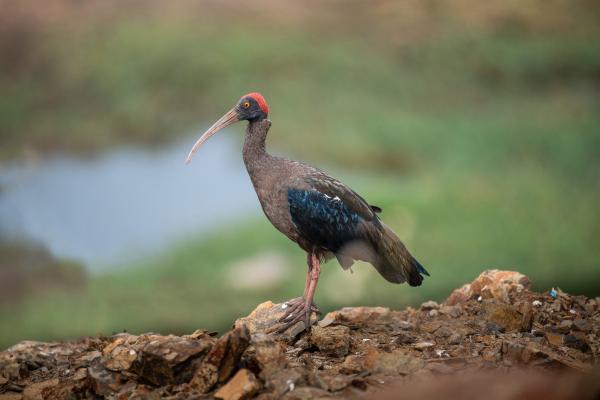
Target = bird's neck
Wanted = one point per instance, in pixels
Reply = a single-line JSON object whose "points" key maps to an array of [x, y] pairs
{"points": [[255, 151]]}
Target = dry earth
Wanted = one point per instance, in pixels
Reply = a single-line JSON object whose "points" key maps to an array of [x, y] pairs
{"points": [[493, 338]]}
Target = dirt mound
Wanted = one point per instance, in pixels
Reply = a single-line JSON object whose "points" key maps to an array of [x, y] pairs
{"points": [[471, 344]]}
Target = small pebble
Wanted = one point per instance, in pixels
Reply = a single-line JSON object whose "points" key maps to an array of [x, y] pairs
{"points": [[404, 325], [430, 305], [423, 345], [455, 338], [582, 325]]}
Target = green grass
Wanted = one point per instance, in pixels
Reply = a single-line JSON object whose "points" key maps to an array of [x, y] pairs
{"points": [[481, 143]]}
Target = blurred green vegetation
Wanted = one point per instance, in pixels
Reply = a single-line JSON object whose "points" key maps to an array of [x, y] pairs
{"points": [[475, 127]]}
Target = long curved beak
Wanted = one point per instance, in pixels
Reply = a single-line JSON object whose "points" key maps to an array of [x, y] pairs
{"points": [[229, 118]]}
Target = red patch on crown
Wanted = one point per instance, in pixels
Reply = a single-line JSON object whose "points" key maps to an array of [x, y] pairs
{"points": [[260, 100]]}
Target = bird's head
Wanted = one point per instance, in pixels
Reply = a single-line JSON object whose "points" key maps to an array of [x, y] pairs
{"points": [[251, 107]]}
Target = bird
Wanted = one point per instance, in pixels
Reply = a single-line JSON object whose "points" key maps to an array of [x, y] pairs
{"points": [[326, 218]]}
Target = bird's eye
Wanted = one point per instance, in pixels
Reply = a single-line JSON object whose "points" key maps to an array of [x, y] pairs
{"points": [[246, 104]]}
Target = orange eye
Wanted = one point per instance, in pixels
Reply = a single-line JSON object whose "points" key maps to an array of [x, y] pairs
{"points": [[246, 104]]}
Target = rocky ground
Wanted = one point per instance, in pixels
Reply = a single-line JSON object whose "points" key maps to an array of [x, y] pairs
{"points": [[493, 338]]}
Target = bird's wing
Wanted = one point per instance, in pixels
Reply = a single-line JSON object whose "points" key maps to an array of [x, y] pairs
{"points": [[326, 221], [336, 189]]}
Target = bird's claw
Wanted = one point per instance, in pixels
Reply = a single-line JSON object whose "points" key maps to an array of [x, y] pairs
{"points": [[292, 306], [297, 310]]}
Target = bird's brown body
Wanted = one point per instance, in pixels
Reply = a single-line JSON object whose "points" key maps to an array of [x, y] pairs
{"points": [[268, 175], [322, 215]]}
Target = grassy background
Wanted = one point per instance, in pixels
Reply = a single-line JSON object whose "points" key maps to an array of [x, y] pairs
{"points": [[474, 126]]}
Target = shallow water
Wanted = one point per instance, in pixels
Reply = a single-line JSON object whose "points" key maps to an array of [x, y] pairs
{"points": [[127, 204]]}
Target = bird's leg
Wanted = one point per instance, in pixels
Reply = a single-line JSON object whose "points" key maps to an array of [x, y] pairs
{"points": [[293, 304], [309, 264], [301, 307], [313, 278]]}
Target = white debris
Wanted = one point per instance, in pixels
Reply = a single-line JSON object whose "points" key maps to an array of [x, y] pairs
{"points": [[442, 353], [290, 384], [536, 303]]}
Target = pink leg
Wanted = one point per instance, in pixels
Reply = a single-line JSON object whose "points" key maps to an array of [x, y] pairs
{"points": [[313, 278], [300, 308], [309, 263]]}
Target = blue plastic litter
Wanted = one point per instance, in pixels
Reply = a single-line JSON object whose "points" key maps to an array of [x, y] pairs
{"points": [[553, 293]]}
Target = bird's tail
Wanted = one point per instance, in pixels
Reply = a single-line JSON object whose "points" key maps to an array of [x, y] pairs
{"points": [[394, 262]]}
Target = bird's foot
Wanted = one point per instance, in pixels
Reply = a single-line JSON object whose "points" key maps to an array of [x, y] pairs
{"points": [[297, 310]]}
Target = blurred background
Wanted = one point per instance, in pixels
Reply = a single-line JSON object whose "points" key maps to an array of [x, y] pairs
{"points": [[474, 125]]}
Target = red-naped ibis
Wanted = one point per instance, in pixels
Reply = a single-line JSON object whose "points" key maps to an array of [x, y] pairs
{"points": [[322, 215]]}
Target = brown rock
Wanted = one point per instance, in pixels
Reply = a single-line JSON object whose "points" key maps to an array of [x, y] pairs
{"points": [[443, 332], [332, 381], [397, 362], [220, 363], [154, 357], [455, 338], [504, 315], [430, 326], [37, 391], [242, 386], [11, 396], [352, 316], [174, 350], [565, 325], [578, 341], [403, 338], [154, 370], [364, 361], [269, 354], [491, 284], [404, 325], [119, 358], [265, 319], [103, 382], [333, 341], [512, 350], [452, 311], [583, 325], [306, 393], [87, 358], [554, 339], [561, 335], [160, 356], [284, 380]]}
